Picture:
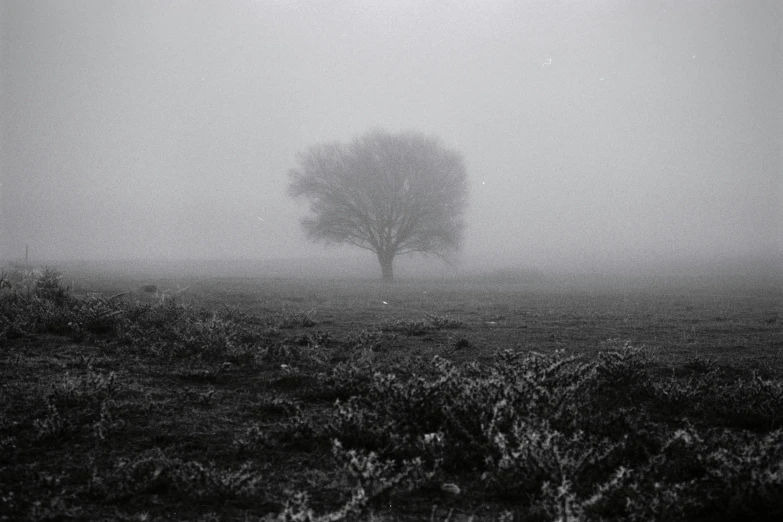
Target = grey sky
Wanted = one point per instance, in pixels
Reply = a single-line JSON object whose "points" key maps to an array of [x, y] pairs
{"points": [[595, 134]]}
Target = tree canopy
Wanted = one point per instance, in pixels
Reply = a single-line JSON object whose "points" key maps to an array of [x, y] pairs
{"points": [[392, 194]]}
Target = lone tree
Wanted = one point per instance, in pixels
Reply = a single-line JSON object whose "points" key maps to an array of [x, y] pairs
{"points": [[392, 194]]}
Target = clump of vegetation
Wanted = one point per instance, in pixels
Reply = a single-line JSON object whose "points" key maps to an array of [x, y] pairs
{"points": [[33, 302], [548, 428], [294, 318], [440, 322], [431, 322], [153, 470]]}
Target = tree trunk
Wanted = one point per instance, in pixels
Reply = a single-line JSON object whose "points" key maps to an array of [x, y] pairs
{"points": [[387, 271]]}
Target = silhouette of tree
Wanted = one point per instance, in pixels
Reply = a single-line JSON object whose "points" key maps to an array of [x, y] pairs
{"points": [[392, 194]]}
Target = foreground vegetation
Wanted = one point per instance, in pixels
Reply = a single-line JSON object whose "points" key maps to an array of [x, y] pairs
{"points": [[142, 408]]}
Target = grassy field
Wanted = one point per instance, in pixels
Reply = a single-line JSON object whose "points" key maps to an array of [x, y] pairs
{"points": [[736, 325], [131, 397]]}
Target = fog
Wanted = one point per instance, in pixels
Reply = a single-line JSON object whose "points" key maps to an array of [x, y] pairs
{"points": [[600, 136]]}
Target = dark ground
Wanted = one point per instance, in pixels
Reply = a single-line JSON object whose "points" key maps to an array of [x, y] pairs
{"points": [[151, 413]]}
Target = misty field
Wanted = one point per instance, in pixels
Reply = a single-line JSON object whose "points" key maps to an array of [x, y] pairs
{"points": [[143, 398]]}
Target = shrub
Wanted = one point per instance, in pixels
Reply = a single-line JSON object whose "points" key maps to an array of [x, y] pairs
{"points": [[373, 478], [153, 471], [755, 403], [293, 318], [34, 302], [440, 322], [624, 367], [420, 326], [392, 414]]}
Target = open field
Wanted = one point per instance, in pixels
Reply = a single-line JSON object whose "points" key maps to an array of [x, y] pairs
{"points": [[241, 398], [736, 324]]}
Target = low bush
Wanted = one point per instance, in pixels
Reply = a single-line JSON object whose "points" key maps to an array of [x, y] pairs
{"points": [[153, 471], [539, 427], [431, 322]]}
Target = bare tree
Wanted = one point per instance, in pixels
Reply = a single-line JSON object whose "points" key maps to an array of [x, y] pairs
{"points": [[392, 194]]}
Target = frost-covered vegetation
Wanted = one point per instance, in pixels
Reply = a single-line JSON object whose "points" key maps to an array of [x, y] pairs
{"points": [[121, 408]]}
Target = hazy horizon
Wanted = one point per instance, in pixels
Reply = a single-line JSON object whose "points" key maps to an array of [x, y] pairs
{"points": [[730, 273], [601, 137]]}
